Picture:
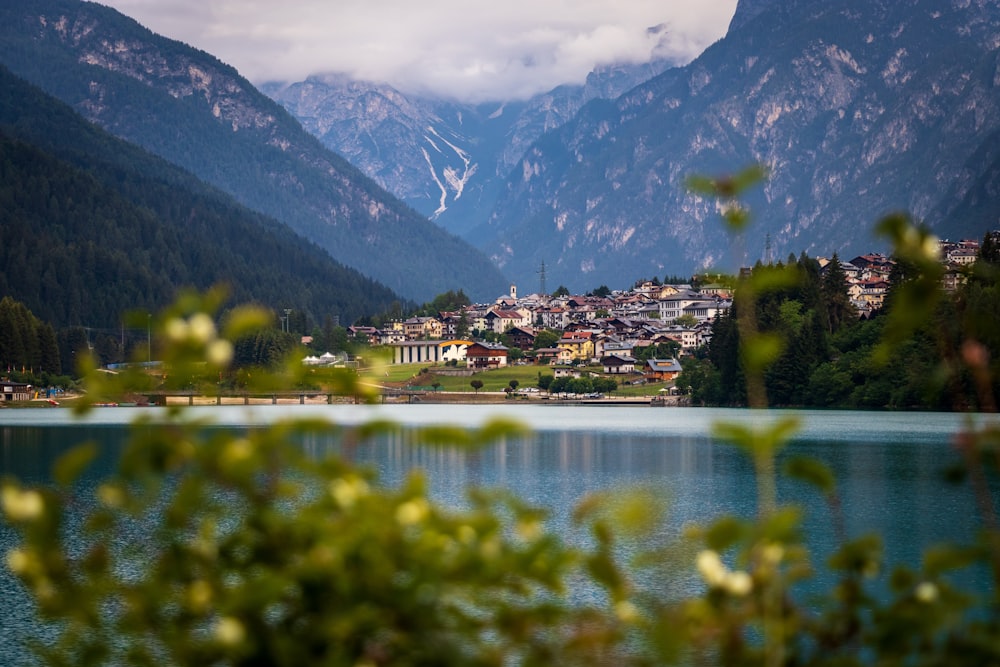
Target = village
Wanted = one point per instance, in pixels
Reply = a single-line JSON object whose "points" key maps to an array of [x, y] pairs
{"points": [[637, 336]]}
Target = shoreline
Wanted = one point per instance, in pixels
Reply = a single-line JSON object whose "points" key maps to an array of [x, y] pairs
{"points": [[318, 398]]}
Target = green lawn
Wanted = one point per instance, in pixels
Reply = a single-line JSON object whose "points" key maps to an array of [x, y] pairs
{"points": [[493, 380]]}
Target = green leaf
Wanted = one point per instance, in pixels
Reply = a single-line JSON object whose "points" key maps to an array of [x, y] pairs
{"points": [[69, 466], [942, 558], [761, 350], [811, 471], [724, 533]]}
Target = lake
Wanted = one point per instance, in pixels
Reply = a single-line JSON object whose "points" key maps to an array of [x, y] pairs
{"points": [[888, 465]]}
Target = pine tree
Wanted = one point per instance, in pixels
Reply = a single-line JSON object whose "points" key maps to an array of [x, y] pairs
{"points": [[840, 312]]}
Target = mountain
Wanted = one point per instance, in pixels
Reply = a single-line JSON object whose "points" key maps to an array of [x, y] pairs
{"points": [[196, 112], [92, 227], [858, 107], [446, 159]]}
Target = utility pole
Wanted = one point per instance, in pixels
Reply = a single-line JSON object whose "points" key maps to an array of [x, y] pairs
{"points": [[287, 320], [541, 279]]}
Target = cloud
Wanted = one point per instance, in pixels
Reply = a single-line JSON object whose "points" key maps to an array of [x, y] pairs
{"points": [[467, 49]]}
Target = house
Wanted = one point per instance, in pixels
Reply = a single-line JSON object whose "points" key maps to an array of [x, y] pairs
{"points": [[962, 256], [873, 292], [14, 391], [388, 336], [371, 334], [417, 328], [498, 321], [618, 364], [662, 370], [687, 337], [484, 356], [521, 337], [553, 317], [552, 355], [578, 344], [605, 345]]}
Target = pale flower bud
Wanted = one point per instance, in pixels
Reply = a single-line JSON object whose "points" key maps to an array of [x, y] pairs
{"points": [[19, 561], [411, 512], [176, 329], [230, 631], [110, 496], [347, 491], [712, 570], [236, 451], [931, 248], [201, 327], [219, 352], [772, 554], [926, 592], [21, 505], [738, 583], [626, 611], [199, 596]]}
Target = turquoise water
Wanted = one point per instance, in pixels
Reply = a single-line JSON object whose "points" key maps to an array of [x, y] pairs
{"points": [[889, 466]]}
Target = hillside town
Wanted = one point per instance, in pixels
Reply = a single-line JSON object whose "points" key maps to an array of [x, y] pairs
{"points": [[623, 331]]}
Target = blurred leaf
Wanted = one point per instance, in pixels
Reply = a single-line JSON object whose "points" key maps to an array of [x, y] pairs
{"points": [[762, 350], [765, 440], [862, 555], [724, 532], [941, 558], [811, 471], [70, 465]]}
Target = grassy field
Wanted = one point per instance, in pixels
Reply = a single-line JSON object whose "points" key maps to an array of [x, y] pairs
{"points": [[493, 380]]}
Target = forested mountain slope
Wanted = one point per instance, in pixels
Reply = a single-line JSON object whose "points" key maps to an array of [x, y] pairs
{"points": [[194, 111], [92, 227]]}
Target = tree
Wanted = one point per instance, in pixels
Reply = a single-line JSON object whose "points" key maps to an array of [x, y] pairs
{"points": [[477, 385], [546, 338], [603, 290], [989, 249], [558, 385], [513, 385], [605, 385], [462, 326], [545, 381], [686, 320], [562, 290], [840, 312], [580, 385]]}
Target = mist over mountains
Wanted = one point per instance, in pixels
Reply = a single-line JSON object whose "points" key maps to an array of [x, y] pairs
{"points": [[858, 109], [200, 114]]}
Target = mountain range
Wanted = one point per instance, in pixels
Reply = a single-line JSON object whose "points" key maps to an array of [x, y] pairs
{"points": [[446, 159], [189, 108], [857, 108], [92, 227]]}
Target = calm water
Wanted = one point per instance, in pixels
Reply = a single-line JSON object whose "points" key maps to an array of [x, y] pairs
{"points": [[888, 466]]}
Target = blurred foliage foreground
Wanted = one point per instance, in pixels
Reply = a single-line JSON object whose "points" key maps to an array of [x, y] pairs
{"points": [[212, 548]]}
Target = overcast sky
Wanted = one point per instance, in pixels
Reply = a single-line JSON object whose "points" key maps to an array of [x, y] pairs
{"points": [[468, 49]]}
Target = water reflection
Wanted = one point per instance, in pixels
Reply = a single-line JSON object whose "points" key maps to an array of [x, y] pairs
{"points": [[889, 478]]}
